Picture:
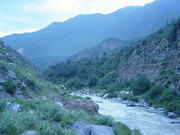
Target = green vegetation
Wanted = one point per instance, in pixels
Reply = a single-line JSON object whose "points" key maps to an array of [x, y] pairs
{"points": [[102, 73], [9, 86], [48, 119]]}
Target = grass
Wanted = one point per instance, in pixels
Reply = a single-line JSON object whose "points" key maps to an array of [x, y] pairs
{"points": [[10, 86], [47, 119]]}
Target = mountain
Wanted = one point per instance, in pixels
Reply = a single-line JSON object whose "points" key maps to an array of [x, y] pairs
{"points": [[45, 61], [29, 104], [69, 37], [106, 47], [149, 68], [16, 73]]}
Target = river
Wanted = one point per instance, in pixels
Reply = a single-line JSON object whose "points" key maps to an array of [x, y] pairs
{"points": [[137, 117]]}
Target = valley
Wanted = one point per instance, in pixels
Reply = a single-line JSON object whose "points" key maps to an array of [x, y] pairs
{"points": [[93, 74]]}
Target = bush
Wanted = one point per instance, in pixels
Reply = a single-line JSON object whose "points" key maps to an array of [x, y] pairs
{"points": [[153, 92], [142, 85], [121, 129], [10, 86], [3, 104], [104, 120], [107, 79], [92, 80], [74, 83], [130, 97], [49, 112], [49, 129], [13, 123], [114, 87]]}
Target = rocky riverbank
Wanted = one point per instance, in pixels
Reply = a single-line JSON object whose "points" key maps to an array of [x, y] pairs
{"points": [[139, 103], [135, 117]]}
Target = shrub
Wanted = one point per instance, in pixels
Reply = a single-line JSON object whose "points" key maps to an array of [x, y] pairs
{"points": [[10, 86], [92, 80], [130, 97], [74, 83], [49, 129], [13, 123], [121, 129], [142, 85], [49, 112], [107, 79], [3, 104], [153, 92], [104, 120], [114, 87]]}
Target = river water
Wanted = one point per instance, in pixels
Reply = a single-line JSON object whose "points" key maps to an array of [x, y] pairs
{"points": [[137, 117]]}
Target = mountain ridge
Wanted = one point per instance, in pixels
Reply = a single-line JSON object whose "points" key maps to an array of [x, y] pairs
{"points": [[75, 34]]}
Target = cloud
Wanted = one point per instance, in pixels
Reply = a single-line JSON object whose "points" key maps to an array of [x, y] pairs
{"points": [[2, 34], [19, 16], [64, 9]]}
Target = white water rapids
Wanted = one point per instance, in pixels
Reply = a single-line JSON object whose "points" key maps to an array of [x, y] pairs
{"points": [[137, 117]]}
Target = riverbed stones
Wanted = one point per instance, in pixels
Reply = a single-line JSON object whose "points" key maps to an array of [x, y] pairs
{"points": [[106, 96], [161, 111], [151, 110], [90, 129], [172, 115], [130, 104]]}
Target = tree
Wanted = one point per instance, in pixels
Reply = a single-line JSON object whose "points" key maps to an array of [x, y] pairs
{"points": [[92, 80]]}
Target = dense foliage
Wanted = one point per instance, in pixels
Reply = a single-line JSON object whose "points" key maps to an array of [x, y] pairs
{"points": [[48, 119], [101, 73]]}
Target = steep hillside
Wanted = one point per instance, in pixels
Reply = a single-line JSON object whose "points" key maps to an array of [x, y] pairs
{"points": [[149, 68], [106, 47], [31, 105], [75, 34], [157, 57], [18, 76]]}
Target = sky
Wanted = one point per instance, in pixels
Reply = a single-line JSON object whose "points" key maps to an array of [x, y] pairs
{"points": [[19, 16]]}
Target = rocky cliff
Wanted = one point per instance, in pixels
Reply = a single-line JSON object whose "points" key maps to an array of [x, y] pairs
{"points": [[157, 57], [16, 73]]}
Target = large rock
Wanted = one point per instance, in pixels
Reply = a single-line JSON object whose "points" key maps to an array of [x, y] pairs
{"points": [[85, 105], [90, 129], [172, 115], [13, 106], [161, 111], [11, 74], [130, 104], [106, 96], [59, 104], [30, 132], [3, 72], [151, 110]]}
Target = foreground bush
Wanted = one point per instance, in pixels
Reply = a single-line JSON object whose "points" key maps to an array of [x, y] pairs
{"points": [[9, 86], [47, 119]]}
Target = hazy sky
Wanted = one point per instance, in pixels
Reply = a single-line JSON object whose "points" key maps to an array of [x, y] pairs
{"points": [[19, 16]]}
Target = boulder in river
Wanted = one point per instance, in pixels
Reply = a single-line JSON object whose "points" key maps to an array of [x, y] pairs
{"points": [[151, 110], [106, 96], [130, 104], [161, 111], [85, 105], [172, 115]]}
